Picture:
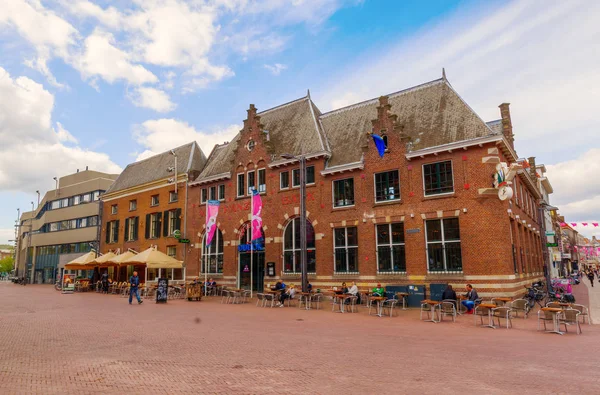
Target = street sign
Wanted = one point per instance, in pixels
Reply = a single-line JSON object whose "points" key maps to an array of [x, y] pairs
{"points": [[550, 233], [186, 241], [415, 230], [177, 233]]}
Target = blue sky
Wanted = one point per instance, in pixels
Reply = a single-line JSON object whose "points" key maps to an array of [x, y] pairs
{"points": [[103, 83]]}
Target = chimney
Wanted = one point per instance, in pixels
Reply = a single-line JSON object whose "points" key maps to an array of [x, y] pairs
{"points": [[507, 129], [86, 168], [77, 170], [532, 169]]}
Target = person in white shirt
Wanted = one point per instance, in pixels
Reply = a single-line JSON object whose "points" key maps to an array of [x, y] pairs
{"points": [[353, 290], [288, 294]]}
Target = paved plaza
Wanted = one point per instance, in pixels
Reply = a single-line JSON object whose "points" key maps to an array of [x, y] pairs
{"points": [[92, 343]]}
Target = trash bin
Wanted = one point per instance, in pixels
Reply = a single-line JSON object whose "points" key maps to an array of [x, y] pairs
{"points": [[416, 293]]}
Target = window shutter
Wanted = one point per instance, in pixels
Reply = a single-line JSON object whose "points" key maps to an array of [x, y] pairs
{"points": [[147, 226], [136, 224], [117, 232], [126, 229], [159, 220], [178, 220], [166, 224], [107, 232]]}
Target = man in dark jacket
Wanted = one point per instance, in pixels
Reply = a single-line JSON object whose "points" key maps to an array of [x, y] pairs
{"points": [[134, 282], [591, 277], [471, 296], [104, 280], [449, 294]]}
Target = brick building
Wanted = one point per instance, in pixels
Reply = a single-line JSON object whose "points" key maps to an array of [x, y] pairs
{"points": [[143, 208], [425, 213]]}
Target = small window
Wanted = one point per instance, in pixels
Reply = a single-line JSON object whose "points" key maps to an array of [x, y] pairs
{"points": [[310, 175], [113, 209], [343, 192], [53, 226], [241, 188], [95, 195], [387, 186], [114, 235], [76, 200], [154, 200], [132, 205], [251, 182], [437, 178], [204, 195], [262, 180], [172, 251], [173, 197], [284, 180], [222, 192], [384, 137], [296, 177], [88, 197], [55, 205], [64, 202], [213, 193]]}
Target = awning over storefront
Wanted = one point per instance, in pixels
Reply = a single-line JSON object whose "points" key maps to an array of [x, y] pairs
{"points": [[84, 262], [154, 259], [105, 260], [118, 259]]}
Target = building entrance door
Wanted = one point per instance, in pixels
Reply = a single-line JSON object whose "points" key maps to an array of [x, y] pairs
{"points": [[256, 270]]}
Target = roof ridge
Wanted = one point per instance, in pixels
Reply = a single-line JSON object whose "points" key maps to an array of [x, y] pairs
{"points": [[162, 153], [469, 107], [390, 95], [312, 113], [282, 105]]}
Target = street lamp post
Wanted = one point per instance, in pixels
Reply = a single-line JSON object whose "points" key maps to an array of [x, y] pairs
{"points": [[542, 214], [303, 262]]}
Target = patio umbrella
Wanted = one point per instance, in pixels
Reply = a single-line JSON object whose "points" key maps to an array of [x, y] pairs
{"points": [[154, 259], [118, 259], [84, 262], [104, 260]]}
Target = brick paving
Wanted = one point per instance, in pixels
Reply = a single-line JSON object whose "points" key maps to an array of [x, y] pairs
{"points": [[90, 343]]}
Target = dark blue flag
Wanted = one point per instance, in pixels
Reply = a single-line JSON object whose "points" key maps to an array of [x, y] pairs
{"points": [[379, 143]]}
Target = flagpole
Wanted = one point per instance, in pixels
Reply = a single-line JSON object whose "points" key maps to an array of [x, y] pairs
{"points": [[251, 237]]}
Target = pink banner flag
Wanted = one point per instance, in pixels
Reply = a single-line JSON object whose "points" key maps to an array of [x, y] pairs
{"points": [[573, 223], [595, 224], [563, 224], [212, 210], [584, 223], [256, 215]]}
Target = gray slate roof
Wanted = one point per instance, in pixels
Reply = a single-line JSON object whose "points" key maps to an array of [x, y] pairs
{"points": [[496, 126], [431, 114], [189, 158]]}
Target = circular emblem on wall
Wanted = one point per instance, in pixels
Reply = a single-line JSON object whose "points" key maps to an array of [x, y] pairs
{"points": [[250, 145]]}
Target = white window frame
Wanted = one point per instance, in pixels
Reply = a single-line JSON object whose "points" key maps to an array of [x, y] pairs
{"points": [[152, 204], [423, 178], [212, 193], [281, 187], [333, 193], [375, 187], [237, 186], [113, 226], [217, 237], [153, 224], [131, 229], [219, 188], [294, 185], [203, 195], [76, 200], [248, 187], [133, 205], [95, 195], [87, 197], [114, 209], [390, 244], [172, 222], [296, 265], [262, 188], [346, 247], [443, 243], [171, 194], [174, 248]]}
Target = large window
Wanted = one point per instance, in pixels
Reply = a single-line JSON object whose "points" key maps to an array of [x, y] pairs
{"points": [[114, 231], [251, 181], [291, 247], [241, 189], [390, 248], [172, 222], [437, 178], [343, 192], [154, 225], [284, 180], [212, 257], [443, 245], [310, 176], [131, 229], [213, 193], [346, 250], [387, 186], [203, 195]]}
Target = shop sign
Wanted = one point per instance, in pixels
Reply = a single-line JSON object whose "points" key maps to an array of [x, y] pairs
{"points": [[550, 233], [566, 255], [186, 241], [415, 230], [256, 245]]}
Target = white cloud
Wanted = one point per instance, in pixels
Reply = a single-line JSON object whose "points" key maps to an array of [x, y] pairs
{"points": [[6, 234], [152, 98], [103, 59], [276, 68], [160, 135], [32, 149]]}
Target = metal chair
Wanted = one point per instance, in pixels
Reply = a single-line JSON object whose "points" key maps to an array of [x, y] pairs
{"points": [[268, 298], [426, 308], [351, 302], [447, 308], [316, 300], [544, 316], [304, 299], [260, 299], [503, 312], [570, 317], [481, 312], [224, 296], [246, 295], [389, 305], [403, 297], [520, 305], [583, 312]]}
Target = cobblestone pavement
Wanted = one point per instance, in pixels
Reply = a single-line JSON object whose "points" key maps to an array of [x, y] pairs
{"points": [[91, 343]]}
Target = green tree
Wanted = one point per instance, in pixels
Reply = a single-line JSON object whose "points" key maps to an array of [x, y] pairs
{"points": [[7, 264]]}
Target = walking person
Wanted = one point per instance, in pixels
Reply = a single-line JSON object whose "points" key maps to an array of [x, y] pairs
{"points": [[591, 277], [105, 282], [134, 282]]}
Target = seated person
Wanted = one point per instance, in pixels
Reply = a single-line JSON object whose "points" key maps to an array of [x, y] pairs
{"points": [[449, 293], [344, 289], [353, 290], [308, 286], [288, 294], [471, 296], [378, 291]]}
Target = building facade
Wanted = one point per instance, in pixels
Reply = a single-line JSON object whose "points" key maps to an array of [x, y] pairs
{"points": [[426, 212], [146, 206], [63, 226]]}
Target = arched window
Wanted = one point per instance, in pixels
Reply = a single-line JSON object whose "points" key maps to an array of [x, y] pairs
{"points": [[212, 257], [291, 247]]}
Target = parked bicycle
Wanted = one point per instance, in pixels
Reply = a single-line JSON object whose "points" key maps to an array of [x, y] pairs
{"points": [[535, 295]]}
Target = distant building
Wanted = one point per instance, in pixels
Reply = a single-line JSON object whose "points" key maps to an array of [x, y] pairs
{"points": [[6, 253], [64, 226]]}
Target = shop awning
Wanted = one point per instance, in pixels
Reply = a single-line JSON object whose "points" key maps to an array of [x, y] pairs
{"points": [[84, 262], [104, 260], [118, 259], [154, 259]]}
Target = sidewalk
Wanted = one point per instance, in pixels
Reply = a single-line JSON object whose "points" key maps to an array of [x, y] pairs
{"points": [[594, 299]]}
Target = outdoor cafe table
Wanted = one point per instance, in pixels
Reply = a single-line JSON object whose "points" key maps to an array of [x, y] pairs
{"points": [[307, 299], [379, 300], [555, 312], [341, 298], [490, 307], [402, 296], [433, 304], [504, 300]]}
